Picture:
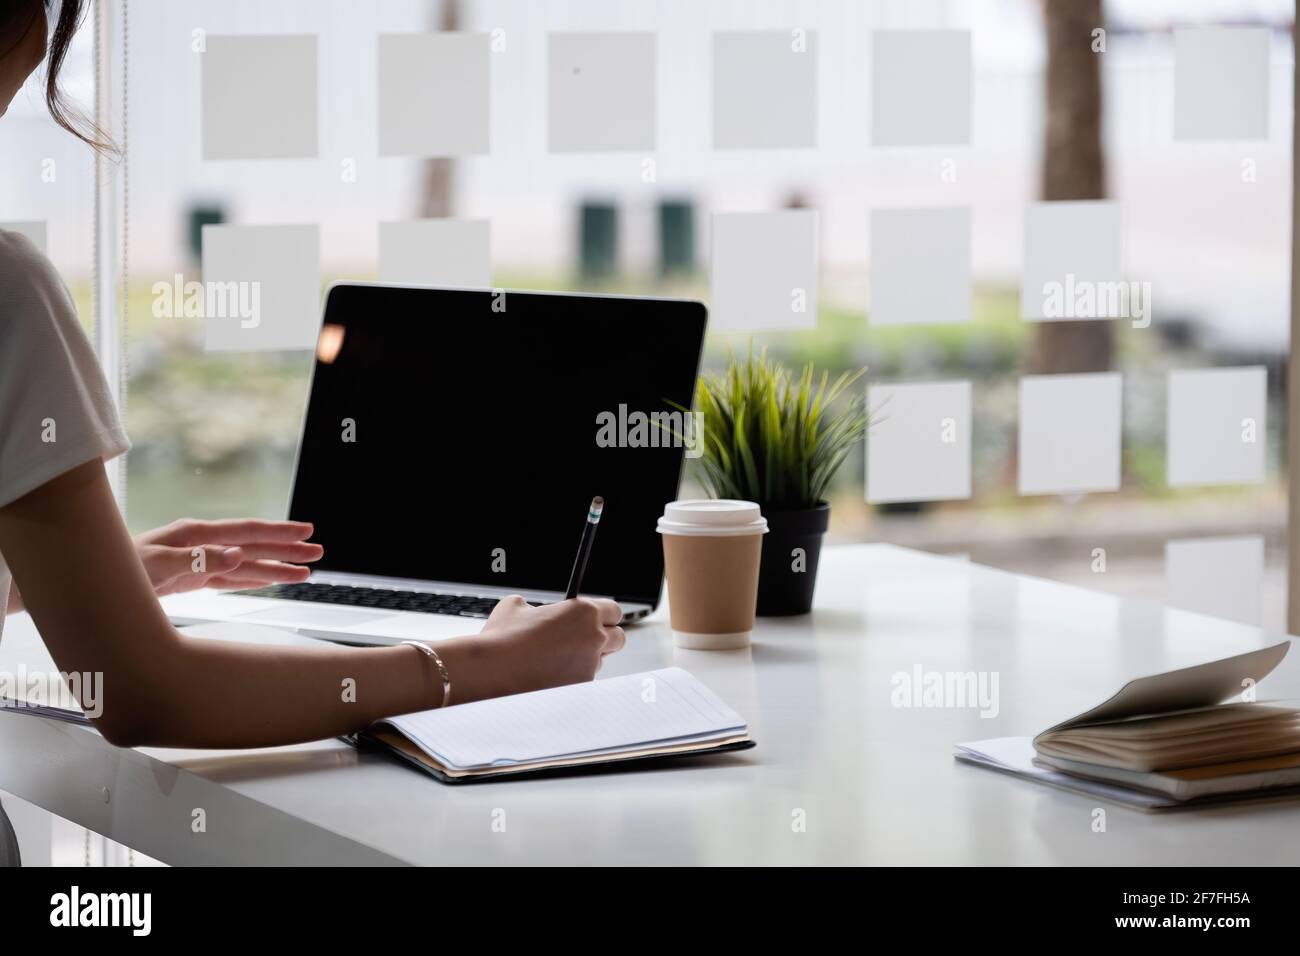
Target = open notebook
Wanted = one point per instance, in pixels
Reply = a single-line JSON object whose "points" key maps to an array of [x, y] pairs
{"points": [[652, 715], [1167, 740]]}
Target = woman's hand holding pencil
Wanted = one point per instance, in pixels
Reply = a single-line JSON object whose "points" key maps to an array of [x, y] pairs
{"points": [[523, 648]]}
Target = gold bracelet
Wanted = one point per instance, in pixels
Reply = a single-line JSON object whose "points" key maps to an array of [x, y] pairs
{"points": [[442, 668]]}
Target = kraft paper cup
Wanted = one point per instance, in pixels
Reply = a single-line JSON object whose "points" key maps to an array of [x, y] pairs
{"points": [[712, 549]]}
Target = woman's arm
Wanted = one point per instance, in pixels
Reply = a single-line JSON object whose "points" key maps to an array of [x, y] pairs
{"points": [[89, 595]]}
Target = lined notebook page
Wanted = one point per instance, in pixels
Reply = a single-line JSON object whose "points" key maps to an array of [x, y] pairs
{"points": [[617, 713]]}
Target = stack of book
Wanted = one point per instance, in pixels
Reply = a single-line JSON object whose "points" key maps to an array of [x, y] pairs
{"points": [[1171, 740]]}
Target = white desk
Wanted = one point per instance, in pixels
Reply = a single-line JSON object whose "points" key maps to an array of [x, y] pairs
{"points": [[876, 783]]}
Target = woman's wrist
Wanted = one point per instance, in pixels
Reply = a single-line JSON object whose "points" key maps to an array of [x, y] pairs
{"points": [[442, 679], [430, 691], [474, 675]]}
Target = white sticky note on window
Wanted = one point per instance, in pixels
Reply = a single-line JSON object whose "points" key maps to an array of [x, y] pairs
{"points": [[920, 88], [764, 89], [920, 266], [258, 95], [35, 230], [1073, 262], [433, 94], [601, 92], [763, 273], [919, 449], [446, 252], [1070, 428], [1221, 83], [261, 287], [1215, 426], [1221, 576]]}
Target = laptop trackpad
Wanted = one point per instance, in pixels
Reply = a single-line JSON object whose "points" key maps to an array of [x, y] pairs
{"points": [[313, 616]]}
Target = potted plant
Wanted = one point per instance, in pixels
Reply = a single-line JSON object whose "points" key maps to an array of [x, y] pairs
{"points": [[775, 439]]}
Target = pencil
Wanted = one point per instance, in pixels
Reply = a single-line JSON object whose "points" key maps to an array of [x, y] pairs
{"points": [[584, 547]]}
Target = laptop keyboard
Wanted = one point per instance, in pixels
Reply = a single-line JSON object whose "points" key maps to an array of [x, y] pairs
{"points": [[390, 599]]}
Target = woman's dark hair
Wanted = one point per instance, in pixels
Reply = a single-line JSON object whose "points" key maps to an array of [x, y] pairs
{"points": [[21, 16]]}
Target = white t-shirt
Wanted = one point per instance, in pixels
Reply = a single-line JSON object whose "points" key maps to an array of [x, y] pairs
{"points": [[56, 411]]}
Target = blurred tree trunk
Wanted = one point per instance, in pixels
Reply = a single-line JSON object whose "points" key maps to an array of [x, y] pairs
{"points": [[1073, 167], [436, 178]]}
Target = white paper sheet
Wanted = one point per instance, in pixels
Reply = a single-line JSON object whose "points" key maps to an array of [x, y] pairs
{"points": [[1015, 755]]}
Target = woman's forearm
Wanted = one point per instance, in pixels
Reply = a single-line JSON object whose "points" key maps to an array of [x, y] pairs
{"points": [[208, 693]]}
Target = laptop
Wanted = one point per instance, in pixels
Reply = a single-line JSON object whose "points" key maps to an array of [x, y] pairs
{"points": [[452, 442]]}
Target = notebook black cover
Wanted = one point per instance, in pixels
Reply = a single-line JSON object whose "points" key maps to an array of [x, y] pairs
{"points": [[364, 741]]}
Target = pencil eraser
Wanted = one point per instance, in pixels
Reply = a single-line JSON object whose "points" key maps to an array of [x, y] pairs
{"points": [[261, 287], [1070, 428], [920, 266], [919, 448], [258, 96]]}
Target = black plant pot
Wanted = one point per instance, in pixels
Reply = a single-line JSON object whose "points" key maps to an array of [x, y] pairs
{"points": [[786, 577]]}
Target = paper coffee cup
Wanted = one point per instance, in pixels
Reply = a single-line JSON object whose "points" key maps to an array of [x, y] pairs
{"points": [[712, 549]]}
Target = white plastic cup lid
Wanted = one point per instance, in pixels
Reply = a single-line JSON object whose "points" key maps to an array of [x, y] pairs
{"points": [[714, 517]]}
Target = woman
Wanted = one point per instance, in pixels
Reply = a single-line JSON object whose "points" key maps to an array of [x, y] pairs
{"points": [[92, 590]]}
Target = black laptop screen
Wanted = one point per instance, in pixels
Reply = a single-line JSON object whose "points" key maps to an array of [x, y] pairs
{"points": [[453, 435]]}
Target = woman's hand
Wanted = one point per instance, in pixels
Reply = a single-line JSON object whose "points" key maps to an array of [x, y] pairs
{"points": [[244, 553], [523, 648]]}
